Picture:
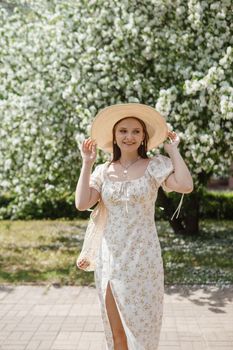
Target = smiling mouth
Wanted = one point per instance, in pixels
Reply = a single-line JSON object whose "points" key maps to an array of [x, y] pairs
{"points": [[129, 144]]}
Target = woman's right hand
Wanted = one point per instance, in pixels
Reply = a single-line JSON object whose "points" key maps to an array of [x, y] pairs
{"points": [[88, 150], [82, 264]]}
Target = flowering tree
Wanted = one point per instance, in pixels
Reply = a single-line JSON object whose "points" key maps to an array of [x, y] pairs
{"points": [[63, 61]]}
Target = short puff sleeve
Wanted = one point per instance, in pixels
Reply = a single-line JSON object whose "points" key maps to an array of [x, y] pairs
{"points": [[160, 168], [96, 178]]}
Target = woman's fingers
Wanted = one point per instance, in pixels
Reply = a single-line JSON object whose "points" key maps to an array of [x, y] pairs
{"points": [[172, 135], [88, 144], [93, 148], [83, 263], [82, 260]]}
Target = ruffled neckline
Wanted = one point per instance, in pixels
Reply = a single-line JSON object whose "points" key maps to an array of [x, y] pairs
{"points": [[132, 180]]}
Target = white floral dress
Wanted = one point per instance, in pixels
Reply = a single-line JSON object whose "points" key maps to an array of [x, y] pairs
{"points": [[130, 254]]}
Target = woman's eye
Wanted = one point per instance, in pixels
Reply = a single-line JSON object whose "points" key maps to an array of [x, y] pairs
{"points": [[135, 131]]}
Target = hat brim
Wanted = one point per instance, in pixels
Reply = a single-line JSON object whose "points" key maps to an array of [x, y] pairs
{"points": [[102, 125]]}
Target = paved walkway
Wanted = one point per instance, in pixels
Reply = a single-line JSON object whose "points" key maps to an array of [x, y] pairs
{"points": [[68, 318]]}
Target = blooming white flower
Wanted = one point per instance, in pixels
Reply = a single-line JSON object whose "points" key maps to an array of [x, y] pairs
{"points": [[61, 64]]}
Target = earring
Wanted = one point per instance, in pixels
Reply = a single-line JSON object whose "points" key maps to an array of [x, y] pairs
{"points": [[142, 143], [114, 142]]}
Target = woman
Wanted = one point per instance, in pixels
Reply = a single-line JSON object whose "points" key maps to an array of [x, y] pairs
{"points": [[129, 272]]}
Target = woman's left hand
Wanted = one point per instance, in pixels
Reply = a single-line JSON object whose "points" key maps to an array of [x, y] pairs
{"points": [[174, 141]]}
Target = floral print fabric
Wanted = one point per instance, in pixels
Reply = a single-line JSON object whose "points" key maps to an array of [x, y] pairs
{"points": [[130, 255]]}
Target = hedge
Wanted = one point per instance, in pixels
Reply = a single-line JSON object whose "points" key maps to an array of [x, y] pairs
{"points": [[214, 205]]}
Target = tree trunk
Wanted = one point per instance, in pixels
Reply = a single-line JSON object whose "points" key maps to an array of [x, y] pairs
{"points": [[192, 211], [188, 221]]}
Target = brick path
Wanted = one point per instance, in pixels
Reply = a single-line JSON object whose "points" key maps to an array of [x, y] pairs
{"points": [[68, 318]]}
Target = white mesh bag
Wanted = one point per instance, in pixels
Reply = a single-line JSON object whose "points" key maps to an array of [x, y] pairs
{"points": [[93, 234]]}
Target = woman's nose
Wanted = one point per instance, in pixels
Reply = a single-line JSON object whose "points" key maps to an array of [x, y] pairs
{"points": [[129, 136]]}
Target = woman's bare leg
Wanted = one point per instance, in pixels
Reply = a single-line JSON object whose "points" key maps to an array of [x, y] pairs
{"points": [[119, 337]]}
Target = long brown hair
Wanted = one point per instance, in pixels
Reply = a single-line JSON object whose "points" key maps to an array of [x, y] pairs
{"points": [[142, 149]]}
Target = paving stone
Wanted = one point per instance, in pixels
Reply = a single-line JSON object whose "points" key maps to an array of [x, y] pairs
{"points": [[68, 318]]}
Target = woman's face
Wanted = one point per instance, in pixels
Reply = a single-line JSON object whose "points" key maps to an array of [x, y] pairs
{"points": [[129, 134]]}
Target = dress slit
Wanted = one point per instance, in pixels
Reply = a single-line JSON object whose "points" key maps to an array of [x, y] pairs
{"points": [[131, 341], [117, 306]]}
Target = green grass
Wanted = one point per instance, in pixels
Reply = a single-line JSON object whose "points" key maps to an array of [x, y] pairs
{"points": [[41, 252], [46, 251], [203, 259]]}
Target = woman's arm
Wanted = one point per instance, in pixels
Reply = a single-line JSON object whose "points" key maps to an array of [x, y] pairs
{"points": [[86, 196], [181, 180]]}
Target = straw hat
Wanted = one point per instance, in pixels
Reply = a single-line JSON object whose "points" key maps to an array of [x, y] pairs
{"points": [[102, 125]]}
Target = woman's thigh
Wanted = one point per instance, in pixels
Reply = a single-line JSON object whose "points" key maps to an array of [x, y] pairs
{"points": [[114, 317]]}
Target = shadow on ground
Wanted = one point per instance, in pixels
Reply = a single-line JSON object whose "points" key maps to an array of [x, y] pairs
{"points": [[216, 297]]}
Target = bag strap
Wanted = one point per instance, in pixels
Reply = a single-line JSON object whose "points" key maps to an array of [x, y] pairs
{"points": [[178, 208], [104, 170], [102, 176]]}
